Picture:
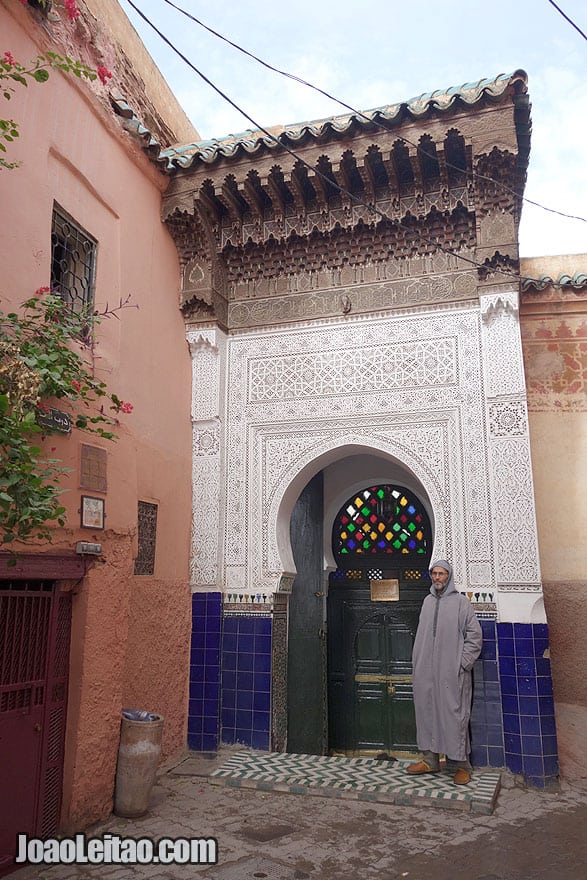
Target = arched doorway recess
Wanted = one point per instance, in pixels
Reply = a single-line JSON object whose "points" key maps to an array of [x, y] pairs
{"points": [[349, 640]]}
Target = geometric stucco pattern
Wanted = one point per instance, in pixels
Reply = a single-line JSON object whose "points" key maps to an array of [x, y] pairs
{"points": [[207, 347], [353, 370], [510, 471], [411, 388], [517, 550]]}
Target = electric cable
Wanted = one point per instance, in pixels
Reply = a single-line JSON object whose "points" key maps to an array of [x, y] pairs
{"points": [[566, 17], [372, 208], [474, 173]]}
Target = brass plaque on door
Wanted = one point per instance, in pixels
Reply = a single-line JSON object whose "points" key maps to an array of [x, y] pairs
{"points": [[385, 590]]}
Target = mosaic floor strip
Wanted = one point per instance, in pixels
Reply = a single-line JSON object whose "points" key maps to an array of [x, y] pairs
{"points": [[358, 778]]}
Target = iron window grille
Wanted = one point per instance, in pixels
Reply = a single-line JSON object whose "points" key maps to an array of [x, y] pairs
{"points": [[73, 263]]}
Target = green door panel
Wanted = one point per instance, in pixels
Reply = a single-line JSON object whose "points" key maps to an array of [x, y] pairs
{"points": [[306, 676], [369, 671]]}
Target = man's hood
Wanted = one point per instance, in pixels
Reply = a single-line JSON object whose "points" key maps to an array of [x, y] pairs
{"points": [[450, 585]]}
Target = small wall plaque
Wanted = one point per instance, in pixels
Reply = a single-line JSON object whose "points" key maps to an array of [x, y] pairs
{"points": [[92, 512], [385, 590], [54, 420]]}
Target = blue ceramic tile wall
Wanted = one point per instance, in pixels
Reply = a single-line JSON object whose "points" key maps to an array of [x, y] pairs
{"points": [[246, 681], [204, 702], [527, 701], [512, 721], [487, 736]]}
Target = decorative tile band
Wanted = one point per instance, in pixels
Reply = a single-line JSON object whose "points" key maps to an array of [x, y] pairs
{"points": [[356, 778]]}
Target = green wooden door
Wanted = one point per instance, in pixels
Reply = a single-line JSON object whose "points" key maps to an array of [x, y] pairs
{"points": [[383, 686], [382, 532], [306, 678], [371, 706]]}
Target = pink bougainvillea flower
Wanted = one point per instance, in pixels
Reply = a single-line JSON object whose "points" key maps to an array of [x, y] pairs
{"points": [[72, 10], [9, 59], [126, 407], [103, 74], [41, 290], [76, 385]]}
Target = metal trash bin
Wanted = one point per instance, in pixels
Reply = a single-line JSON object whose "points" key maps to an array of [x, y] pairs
{"points": [[138, 758]]}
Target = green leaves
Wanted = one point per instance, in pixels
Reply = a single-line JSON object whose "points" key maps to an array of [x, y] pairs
{"points": [[43, 359]]}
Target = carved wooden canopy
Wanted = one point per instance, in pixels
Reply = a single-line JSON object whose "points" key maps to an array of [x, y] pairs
{"points": [[429, 189]]}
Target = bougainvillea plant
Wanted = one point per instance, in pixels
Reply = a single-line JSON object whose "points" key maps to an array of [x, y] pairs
{"points": [[46, 359], [12, 73]]}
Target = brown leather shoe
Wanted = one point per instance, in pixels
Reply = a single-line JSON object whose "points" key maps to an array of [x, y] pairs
{"points": [[462, 776], [420, 767]]}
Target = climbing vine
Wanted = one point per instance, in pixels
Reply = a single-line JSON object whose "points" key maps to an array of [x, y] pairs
{"points": [[46, 358]]}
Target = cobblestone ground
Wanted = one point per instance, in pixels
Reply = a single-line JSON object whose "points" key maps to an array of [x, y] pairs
{"points": [[532, 835]]}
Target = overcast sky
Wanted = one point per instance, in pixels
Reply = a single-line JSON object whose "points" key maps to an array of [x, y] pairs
{"points": [[369, 53]]}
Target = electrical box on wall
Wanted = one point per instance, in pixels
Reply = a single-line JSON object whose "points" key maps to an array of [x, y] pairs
{"points": [[86, 548]]}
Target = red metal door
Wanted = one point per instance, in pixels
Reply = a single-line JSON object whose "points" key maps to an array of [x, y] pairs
{"points": [[35, 623]]}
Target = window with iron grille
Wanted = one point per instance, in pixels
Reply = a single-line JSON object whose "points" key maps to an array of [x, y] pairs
{"points": [[147, 528], [73, 262]]}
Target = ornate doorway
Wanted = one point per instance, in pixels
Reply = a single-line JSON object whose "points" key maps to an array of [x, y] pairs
{"points": [[382, 538]]}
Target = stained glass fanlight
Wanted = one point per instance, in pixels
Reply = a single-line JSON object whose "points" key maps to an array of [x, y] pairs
{"points": [[384, 521]]}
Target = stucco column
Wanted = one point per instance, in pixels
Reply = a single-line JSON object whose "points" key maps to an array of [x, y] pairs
{"points": [[208, 351], [511, 486]]}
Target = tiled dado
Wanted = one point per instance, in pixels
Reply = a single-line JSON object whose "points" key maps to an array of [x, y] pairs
{"points": [[204, 700], [512, 722], [238, 688], [230, 671], [245, 703]]}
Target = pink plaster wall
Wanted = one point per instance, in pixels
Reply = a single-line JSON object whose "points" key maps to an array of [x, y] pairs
{"points": [[130, 638], [554, 340]]}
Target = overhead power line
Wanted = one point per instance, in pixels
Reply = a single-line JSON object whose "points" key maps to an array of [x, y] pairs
{"points": [[369, 119], [314, 170], [565, 16]]}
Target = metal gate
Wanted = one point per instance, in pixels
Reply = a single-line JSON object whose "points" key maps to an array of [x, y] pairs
{"points": [[35, 626]]}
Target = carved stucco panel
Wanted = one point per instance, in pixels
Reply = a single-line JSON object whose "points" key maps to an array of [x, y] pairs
{"points": [[205, 519], [501, 344], [515, 532], [424, 446], [292, 383]]}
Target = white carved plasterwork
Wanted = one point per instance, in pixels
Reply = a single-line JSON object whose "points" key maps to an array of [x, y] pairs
{"points": [[515, 521], [427, 446], [207, 347], [206, 438], [412, 387], [277, 421], [428, 362], [501, 344], [205, 521], [508, 418], [207, 350], [480, 574]]}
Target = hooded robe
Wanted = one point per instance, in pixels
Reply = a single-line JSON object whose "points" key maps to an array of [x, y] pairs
{"points": [[448, 641]]}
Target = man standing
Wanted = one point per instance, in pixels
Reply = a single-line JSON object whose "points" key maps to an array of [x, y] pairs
{"points": [[448, 641]]}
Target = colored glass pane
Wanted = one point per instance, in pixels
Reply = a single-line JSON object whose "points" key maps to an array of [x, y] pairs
{"points": [[381, 520]]}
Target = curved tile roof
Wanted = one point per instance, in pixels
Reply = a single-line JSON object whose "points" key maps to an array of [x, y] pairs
{"points": [[576, 281], [254, 142]]}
